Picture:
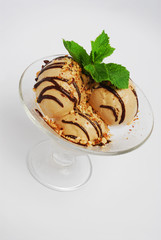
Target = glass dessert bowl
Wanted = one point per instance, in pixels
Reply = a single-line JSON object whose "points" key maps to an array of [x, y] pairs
{"points": [[62, 165]]}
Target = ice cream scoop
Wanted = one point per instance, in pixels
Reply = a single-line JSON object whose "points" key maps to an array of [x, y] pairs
{"points": [[82, 128], [114, 106], [59, 87]]}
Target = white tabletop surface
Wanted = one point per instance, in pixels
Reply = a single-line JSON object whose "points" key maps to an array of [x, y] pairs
{"points": [[122, 199]]}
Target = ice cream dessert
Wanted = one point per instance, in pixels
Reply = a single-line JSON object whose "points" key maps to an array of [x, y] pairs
{"points": [[61, 95], [114, 106], [59, 87], [79, 96]]}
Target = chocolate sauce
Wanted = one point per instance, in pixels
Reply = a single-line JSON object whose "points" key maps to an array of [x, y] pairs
{"points": [[65, 56], [99, 127], [133, 90], [47, 96], [112, 109], [78, 125], [50, 66], [58, 63], [71, 136], [49, 79], [119, 98], [57, 87], [40, 114], [78, 91], [82, 80], [51, 98], [46, 61], [93, 124]]}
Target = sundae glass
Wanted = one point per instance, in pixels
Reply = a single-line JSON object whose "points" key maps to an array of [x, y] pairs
{"points": [[64, 166]]}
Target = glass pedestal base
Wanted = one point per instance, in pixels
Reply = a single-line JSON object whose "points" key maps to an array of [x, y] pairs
{"points": [[58, 168]]}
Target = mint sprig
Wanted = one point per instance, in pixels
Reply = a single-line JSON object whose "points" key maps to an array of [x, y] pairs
{"points": [[78, 53], [101, 48], [92, 64], [118, 75], [98, 71]]}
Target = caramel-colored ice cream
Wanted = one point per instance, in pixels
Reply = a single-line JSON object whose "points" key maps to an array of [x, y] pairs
{"points": [[79, 109], [82, 128], [114, 106], [59, 87]]}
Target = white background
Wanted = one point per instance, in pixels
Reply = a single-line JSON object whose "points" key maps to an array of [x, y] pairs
{"points": [[122, 199]]}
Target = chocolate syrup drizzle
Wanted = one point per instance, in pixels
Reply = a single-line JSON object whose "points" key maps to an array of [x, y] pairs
{"points": [[99, 127], [71, 136], [47, 96], [57, 87], [78, 91], [65, 56], [46, 61], [50, 66], [93, 124], [75, 86], [40, 114], [133, 90], [78, 125], [112, 109], [119, 98], [53, 65]]}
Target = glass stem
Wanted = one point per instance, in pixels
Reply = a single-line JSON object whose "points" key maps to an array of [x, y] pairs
{"points": [[63, 156]]}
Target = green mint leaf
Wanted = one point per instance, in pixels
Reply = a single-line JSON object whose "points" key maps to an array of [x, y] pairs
{"points": [[118, 75], [114, 73], [78, 53], [98, 71], [101, 48], [92, 65]]}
